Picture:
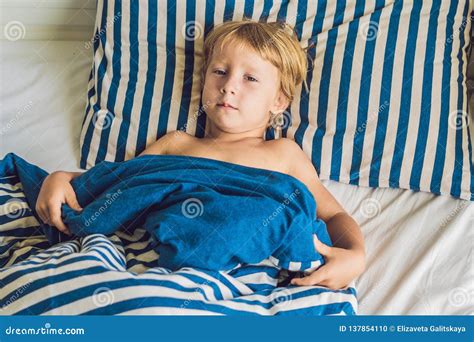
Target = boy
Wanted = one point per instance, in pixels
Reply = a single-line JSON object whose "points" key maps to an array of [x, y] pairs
{"points": [[250, 74]]}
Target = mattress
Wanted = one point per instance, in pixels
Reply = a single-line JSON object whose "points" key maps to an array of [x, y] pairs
{"points": [[419, 246]]}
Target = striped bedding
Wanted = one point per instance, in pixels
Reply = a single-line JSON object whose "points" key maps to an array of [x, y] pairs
{"points": [[117, 274], [387, 101]]}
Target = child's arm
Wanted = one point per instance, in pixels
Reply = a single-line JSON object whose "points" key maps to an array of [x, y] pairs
{"points": [[345, 261], [56, 188]]}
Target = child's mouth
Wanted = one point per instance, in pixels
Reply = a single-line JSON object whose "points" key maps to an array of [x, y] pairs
{"points": [[226, 105]]}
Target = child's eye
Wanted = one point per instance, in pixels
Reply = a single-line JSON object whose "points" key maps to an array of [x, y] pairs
{"points": [[251, 79], [219, 72]]}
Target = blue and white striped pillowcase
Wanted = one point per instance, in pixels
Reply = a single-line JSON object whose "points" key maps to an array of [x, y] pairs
{"points": [[372, 97], [360, 123]]}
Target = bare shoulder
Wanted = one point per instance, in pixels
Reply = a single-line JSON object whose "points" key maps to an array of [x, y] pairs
{"points": [[168, 143], [287, 145], [301, 167], [290, 152]]}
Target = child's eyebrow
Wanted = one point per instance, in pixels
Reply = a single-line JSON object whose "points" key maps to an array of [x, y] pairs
{"points": [[248, 67]]}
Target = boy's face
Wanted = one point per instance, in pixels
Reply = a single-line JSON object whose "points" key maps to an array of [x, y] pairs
{"points": [[240, 90]]}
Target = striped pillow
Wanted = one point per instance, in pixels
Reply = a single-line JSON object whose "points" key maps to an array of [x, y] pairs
{"points": [[387, 101]]}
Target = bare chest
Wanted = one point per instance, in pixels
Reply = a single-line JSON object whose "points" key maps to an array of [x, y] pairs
{"points": [[263, 156]]}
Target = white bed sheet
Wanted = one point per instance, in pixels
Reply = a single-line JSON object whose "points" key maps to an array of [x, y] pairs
{"points": [[419, 246], [43, 97], [419, 251]]}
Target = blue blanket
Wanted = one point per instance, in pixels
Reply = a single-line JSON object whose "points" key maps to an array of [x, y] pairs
{"points": [[204, 213]]}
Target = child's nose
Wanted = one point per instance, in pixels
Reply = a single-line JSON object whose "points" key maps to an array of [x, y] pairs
{"points": [[229, 87]]}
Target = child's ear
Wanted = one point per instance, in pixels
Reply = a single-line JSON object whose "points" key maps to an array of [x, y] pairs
{"points": [[280, 104]]}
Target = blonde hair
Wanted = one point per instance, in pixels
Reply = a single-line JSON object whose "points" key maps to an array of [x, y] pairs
{"points": [[275, 42]]}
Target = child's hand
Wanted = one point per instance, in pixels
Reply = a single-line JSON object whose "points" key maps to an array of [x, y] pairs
{"points": [[341, 267], [55, 191]]}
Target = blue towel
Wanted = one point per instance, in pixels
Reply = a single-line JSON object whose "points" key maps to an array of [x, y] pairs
{"points": [[204, 213]]}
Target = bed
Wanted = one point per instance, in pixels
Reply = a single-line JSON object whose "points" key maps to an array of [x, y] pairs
{"points": [[419, 245]]}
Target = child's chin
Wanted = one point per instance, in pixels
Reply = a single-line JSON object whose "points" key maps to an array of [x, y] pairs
{"points": [[223, 120], [227, 127]]}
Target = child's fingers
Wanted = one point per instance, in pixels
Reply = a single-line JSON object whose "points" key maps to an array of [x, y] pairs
{"points": [[320, 247], [55, 220], [41, 215], [71, 200], [315, 278]]}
